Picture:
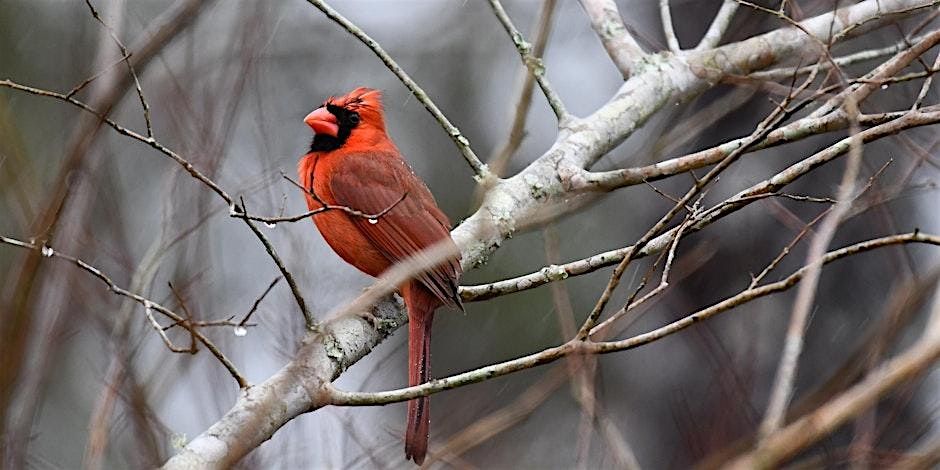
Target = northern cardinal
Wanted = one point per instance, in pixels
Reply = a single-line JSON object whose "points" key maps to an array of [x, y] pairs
{"points": [[353, 163]]}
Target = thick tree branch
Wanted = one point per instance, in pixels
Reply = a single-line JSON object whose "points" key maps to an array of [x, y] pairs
{"points": [[797, 130], [299, 387]]}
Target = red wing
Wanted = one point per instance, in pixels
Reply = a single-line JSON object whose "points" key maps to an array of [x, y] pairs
{"points": [[372, 182]]}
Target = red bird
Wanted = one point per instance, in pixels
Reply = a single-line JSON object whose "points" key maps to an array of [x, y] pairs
{"points": [[352, 162]]}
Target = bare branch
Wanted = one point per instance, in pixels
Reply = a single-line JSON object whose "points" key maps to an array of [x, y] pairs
{"points": [[309, 320], [130, 68], [812, 427], [797, 130], [842, 61], [549, 355], [500, 158], [671, 40], [622, 48], [534, 64], [769, 186], [760, 133], [806, 295], [861, 90], [719, 25], [925, 88], [150, 141], [148, 304], [480, 171]]}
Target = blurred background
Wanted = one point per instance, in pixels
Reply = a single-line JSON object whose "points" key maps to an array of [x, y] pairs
{"points": [[86, 382]]}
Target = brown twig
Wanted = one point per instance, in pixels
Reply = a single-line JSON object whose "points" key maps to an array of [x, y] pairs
{"points": [[130, 68], [324, 207], [309, 320], [149, 305], [149, 140]]}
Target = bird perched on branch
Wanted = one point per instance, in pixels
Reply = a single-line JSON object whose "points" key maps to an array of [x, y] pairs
{"points": [[353, 163]]}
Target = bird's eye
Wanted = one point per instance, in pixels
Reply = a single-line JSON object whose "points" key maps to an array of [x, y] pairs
{"points": [[353, 119]]}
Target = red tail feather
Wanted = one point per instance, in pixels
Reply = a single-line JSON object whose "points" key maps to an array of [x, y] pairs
{"points": [[421, 305]]}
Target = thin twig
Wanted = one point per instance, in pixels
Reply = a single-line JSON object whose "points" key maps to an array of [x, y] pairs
{"points": [[339, 397], [324, 207], [925, 88], [188, 321], [198, 175], [929, 73], [309, 320], [533, 63], [500, 158], [255, 305], [668, 30], [760, 133], [480, 171], [631, 303], [755, 280], [85, 82], [130, 68], [148, 304], [148, 311], [793, 344], [719, 26], [842, 61]]}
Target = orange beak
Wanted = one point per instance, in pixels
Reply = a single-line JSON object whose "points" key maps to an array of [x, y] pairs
{"points": [[322, 122]]}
